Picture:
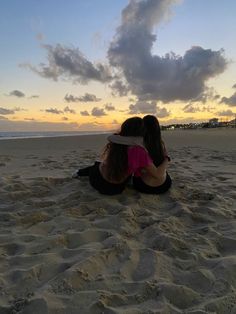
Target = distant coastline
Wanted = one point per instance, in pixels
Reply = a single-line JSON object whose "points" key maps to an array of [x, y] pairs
{"points": [[21, 135], [212, 123], [177, 126]]}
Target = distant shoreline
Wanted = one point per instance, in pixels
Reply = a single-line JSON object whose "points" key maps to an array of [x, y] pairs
{"points": [[32, 135], [57, 134]]}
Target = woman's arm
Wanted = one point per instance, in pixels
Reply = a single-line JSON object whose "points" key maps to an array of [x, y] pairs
{"points": [[126, 140], [157, 172]]}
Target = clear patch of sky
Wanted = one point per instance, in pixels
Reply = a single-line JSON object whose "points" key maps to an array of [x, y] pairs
{"points": [[207, 23], [67, 22]]}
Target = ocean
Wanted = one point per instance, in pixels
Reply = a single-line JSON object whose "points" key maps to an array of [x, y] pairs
{"points": [[16, 135]]}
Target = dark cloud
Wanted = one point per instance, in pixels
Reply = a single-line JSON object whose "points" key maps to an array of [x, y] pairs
{"points": [[64, 119], [34, 96], [98, 112], [54, 111], [71, 64], [119, 88], [89, 98], [86, 98], [109, 107], [191, 108], [3, 118], [5, 111], [17, 93], [29, 119], [234, 86], [69, 110], [143, 107], [230, 101], [71, 98], [162, 112], [209, 94], [226, 113], [84, 113], [151, 77]]}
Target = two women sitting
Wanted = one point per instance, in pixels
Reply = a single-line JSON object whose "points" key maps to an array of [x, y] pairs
{"points": [[137, 151]]}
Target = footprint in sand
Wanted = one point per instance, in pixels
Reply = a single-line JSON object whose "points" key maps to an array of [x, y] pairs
{"points": [[75, 240], [11, 249]]}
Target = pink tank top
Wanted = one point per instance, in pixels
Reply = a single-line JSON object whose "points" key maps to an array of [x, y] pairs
{"points": [[138, 158]]}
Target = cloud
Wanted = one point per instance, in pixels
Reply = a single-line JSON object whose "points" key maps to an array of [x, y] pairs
{"points": [[84, 113], [92, 126], [64, 119], [143, 107], [69, 110], [146, 107], [191, 108], [3, 118], [71, 98], [20, 109], [17, 93], [89, 98], [5, 111], [109, 107], [181, 120], [54, 111], [207, 95], [119, 88], [86, 98], [151, 77], [98, 112], [32, 125], [226, 113], [29, 119], [230, 101], [71, 64], [162, 112], [34, 96], [234, 86]]}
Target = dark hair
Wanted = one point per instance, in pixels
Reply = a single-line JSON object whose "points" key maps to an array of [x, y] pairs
{"points": [[152, 139], [116, 154]]}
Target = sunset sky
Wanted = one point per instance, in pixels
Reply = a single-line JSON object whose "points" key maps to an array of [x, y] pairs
{"points": [[90, 64]]}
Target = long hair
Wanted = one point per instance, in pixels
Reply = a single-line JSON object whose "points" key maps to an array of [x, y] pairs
{"points": [[115, 155], [152, 139]]}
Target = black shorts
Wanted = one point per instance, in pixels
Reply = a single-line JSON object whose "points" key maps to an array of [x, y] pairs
{"points": [[142, 187], [103, 186]]}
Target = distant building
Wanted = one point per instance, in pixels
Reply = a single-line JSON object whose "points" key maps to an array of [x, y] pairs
{"points": [[232, 123], [213, 122]]}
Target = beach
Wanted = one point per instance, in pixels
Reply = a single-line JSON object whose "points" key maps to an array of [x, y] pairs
{"points": [[66, 249]]}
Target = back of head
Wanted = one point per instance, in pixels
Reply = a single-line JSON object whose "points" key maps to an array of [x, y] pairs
{"points": [[152, 139], [116, 154], [132, 127]]}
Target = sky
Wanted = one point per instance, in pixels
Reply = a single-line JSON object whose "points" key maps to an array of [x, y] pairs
{"points": [[88, 65]]}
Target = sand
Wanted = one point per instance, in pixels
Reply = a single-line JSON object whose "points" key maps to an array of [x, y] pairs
{"points": [[66, 249]]}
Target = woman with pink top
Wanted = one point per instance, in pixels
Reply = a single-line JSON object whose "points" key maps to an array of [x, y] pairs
{"points": [[121, 160], [149, 181]]}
